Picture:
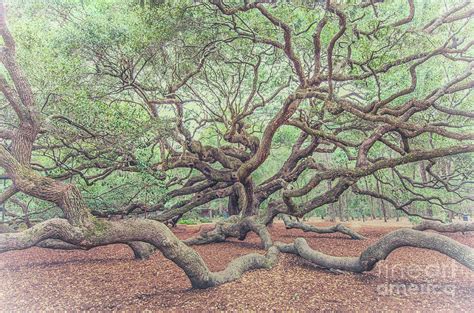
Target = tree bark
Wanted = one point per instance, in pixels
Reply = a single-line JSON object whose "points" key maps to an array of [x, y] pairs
{"points": [[381, 249], [445, 228], [234, 227], [322, 230], [149, 231]]}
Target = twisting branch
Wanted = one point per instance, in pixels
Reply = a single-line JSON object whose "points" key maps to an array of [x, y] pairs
{"points": [[151, 232], [339, 228], [381, 249]]}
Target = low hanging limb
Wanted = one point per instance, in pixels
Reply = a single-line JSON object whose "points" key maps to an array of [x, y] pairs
{"points": [[381, 249], [322, 230], [445, 228], [141, 250]]}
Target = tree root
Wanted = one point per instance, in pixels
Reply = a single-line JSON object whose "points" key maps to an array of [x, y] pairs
{"points": [[234, 227], [322, 230], [381, 249], [445, 228]]}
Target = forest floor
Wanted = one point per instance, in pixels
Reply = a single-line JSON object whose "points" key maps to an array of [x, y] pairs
{"points": [[107, 278]]}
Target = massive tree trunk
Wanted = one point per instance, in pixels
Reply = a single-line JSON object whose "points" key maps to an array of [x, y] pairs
{"points": [[242, 199], [233, 204]]}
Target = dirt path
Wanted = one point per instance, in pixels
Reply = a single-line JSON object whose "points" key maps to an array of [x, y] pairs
{"points": [[107, 278]]}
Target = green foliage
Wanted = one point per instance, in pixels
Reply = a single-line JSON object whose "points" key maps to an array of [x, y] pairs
{"points": [[75, 54], [187, 222]]}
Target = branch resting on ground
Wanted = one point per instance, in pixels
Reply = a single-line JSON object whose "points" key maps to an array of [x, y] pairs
{"points": [[322, 230], [381, 249], [149, 231], [158, 235], [141, 250], [235, 227]]}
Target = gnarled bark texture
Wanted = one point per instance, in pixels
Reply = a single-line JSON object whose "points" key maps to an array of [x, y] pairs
{"points": [[339, 228], [234, 227]]}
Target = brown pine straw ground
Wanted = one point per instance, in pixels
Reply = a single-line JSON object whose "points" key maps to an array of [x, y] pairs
{"points": [[108, 279]]}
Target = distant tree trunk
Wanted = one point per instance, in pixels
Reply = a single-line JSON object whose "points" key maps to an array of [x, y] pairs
{"points": [[382, 203], [340, 209], [372, 204], [233, 205], [424, 179], [346, 205], [332, 208]]}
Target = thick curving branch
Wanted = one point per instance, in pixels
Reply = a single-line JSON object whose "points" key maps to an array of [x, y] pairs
{"points": [[141, 250], [339, 228], [57, 244], [382, 249], [148, 231]]}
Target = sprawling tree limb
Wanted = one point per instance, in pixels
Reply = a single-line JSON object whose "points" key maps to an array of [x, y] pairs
{"points": [[339, 228], [58, 244], [149, 231], [381, 250], [141, 250], [445, 228], [186, 258]]}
